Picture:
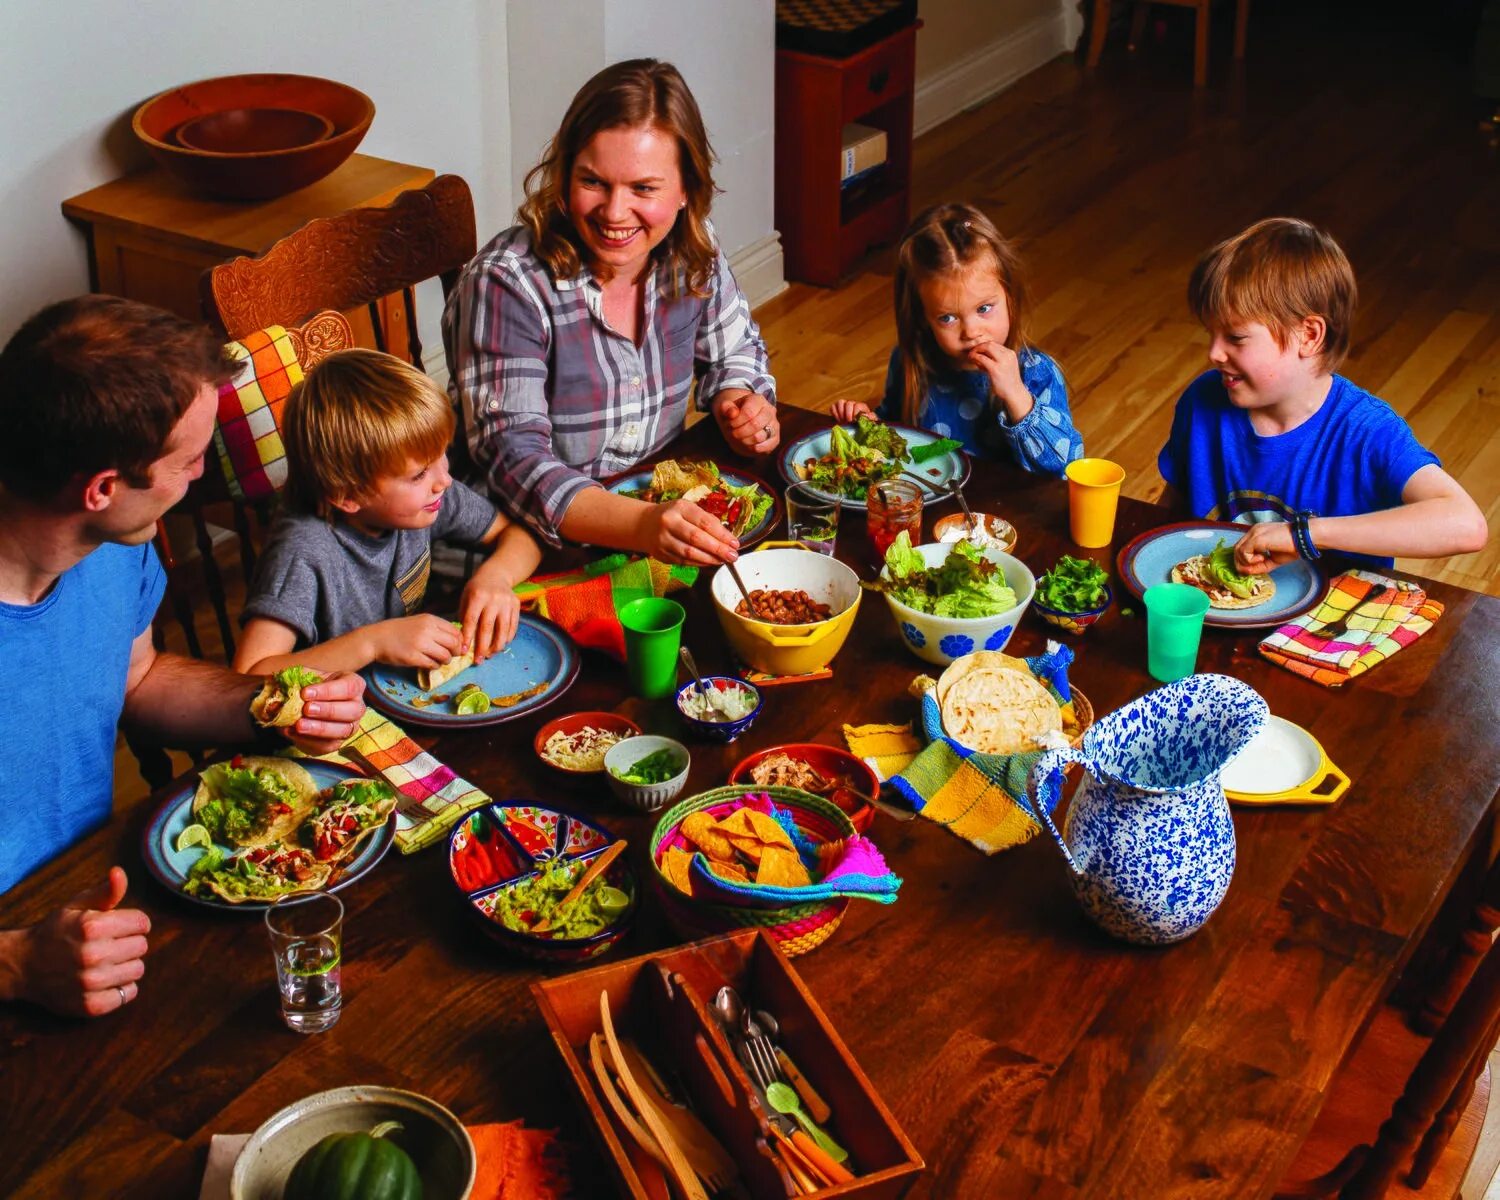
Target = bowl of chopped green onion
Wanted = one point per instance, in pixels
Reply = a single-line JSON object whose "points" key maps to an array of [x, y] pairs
{"points": [[647, 772]]}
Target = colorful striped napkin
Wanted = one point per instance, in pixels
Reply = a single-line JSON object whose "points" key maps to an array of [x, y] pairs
{"points": [[433, 797], [886, 748], [587, 602], [1364, 619]]}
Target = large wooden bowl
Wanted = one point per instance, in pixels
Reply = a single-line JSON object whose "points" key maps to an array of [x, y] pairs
{"points": [[254, 172]]}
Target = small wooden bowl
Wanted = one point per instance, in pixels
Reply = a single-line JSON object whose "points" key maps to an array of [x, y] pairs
{"points": [[252, 174], [253, 130]]}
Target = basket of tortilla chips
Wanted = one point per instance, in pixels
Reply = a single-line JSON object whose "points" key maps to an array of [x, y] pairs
{"points": [[708, 844]]}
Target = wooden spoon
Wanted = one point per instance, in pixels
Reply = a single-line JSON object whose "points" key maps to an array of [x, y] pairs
{"points": [[596, 868]]}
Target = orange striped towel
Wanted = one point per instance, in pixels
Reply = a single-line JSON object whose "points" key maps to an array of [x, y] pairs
{"points": [[1364, 619]]}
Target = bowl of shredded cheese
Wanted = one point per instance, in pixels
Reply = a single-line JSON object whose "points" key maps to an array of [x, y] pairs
{"points": [[576, 744]]}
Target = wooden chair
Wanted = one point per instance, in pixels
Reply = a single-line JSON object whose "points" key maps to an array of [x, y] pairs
{"points": [[1202, 10]]}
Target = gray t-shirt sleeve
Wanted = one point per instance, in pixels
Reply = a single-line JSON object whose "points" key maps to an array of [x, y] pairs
{"points": [[287, 584], [465, 516]]}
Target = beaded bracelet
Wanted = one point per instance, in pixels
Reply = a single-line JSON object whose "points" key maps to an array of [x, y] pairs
{"points": [[1302, 537]]}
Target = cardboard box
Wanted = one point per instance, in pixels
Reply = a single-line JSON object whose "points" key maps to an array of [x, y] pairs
{"points": [[863, 150], [662, 1001]]}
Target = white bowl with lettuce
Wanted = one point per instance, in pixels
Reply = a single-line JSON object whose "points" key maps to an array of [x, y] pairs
{"points": [[946, 606]]}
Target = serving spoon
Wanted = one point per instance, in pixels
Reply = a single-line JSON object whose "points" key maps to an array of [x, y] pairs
{"points": [[734, 573], [958, 494], [710, 695]]}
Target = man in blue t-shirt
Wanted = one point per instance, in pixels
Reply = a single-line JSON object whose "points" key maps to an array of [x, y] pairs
{"points": [[107, 407], [1273, 438]]}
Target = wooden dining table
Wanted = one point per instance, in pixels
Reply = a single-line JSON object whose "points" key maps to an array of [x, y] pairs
{"points": [[1025, 1052]]}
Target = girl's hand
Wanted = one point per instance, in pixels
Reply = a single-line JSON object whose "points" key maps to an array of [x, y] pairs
{"points": [[1264, 548], [681, 532], [424, 640], [1000, 363], [490, 613], [845, 411]]}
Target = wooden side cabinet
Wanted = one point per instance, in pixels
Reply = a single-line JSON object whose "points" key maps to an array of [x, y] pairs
{"points": [[825, 230]]}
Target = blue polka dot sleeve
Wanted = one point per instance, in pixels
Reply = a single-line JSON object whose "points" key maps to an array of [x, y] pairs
{"points": [[1045, 440]]}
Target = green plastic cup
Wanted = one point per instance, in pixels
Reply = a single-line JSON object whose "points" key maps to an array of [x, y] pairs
{"points": [[1174, 626], [653, 633]]}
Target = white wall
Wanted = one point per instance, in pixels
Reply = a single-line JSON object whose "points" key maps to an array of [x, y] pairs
{"points": [[72, 71]]}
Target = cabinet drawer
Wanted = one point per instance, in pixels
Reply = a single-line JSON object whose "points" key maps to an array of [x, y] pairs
{"points": [[879, 75]]}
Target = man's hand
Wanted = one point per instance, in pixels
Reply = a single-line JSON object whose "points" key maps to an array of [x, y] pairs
{"points": [[845, 411], [86, 959], [747, 421], [490, 611], [1264, 548], [681, 532], [331, 710]]}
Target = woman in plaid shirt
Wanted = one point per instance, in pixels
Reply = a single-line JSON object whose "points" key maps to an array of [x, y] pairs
{"points": [[576, 338]]}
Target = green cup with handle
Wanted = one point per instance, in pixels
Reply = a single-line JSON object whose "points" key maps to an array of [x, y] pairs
{"points": [[653, 633]]}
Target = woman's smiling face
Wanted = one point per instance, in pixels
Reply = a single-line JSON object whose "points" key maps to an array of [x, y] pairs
{"points": [[624, 196]]}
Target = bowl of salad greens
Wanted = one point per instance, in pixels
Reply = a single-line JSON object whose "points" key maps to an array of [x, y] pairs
{"points": [[647, 772], [952, 598], [1073, 594]]}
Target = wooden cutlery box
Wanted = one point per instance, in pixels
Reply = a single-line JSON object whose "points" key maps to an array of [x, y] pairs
{"points": [[663, 1002]]}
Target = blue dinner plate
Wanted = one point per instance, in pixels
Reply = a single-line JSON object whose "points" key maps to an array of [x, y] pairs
{"points": [[1149, 558], [640, 479], [540, 654], [170, 866], [936, 476]]}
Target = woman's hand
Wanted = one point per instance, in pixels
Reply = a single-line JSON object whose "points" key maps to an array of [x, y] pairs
{"points": [[490, 611], [424, 640], [681, 532], [1264, 548], [1000, 363], [845, 411], [747, 421]]}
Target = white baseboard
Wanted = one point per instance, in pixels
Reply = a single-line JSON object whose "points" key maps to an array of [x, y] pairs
{"points": [[992, 68], [759, 269]]}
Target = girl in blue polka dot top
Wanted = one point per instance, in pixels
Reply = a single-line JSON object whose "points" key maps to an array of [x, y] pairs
{"points": [[961, 367]]}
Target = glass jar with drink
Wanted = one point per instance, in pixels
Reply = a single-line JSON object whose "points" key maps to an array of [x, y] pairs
{"points": [[890, 507]]}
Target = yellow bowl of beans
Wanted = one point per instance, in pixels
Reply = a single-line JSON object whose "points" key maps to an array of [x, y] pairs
{"points": [[804, 607]]}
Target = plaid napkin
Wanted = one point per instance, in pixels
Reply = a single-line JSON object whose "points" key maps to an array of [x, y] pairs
{"points": [[247, 437], [587, 602], [512, 1163], [432, 798], [979, 797], [1364, 619], [885, 748]]}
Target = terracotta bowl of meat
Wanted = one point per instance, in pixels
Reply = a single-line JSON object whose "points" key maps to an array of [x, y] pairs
{"points": [[813, 767]]}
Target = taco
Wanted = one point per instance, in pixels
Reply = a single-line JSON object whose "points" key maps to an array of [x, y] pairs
{"points": [[266, 873], [279, 703], [434, 677], [741, 509], [252, 801], [345, 813], [1214, 573]]}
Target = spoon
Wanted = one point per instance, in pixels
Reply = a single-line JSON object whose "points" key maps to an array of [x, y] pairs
{"points": [[811, 1100], [784, 1100], [710, 695], [596, 869], [734, 573], [958, 495], [730, 1008]]}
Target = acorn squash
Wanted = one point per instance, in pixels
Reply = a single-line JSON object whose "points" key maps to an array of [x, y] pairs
{"points": [[355, 1166]]}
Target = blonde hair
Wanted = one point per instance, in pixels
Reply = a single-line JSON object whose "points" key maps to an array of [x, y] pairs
{"points": [[942, 240], [639, 93], [1278, 272], [359, 415]]}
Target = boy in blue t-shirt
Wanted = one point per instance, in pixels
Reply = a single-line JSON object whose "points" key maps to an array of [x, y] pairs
{"points": [[1273, 438]]}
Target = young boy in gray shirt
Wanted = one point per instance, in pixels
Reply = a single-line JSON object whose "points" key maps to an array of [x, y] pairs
{"points": [[345, 570]]}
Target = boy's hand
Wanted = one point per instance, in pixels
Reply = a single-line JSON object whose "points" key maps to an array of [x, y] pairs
{"points": [[1264, 548], [331, 710], [490, 613], [748, 422], [1000, 363], [424, 640], [681, 532], [845, 411]]}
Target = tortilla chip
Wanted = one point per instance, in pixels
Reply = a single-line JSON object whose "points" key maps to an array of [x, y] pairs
{"points": [[782, 868], [731, 871], [675, 864], [752, 823], [704, 832], [674, 476]]}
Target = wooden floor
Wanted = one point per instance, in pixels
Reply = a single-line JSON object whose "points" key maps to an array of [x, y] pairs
{"points": [[1113, 184]]}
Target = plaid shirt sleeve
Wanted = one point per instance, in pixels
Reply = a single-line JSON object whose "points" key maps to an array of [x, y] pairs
{"points": [[729, 352], [498, 335]]}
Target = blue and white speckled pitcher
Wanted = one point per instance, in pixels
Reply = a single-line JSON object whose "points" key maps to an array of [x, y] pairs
{"points": [[1148, 835]]}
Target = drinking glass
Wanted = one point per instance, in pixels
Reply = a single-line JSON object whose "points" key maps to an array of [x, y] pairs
{"points": [[1174, 627], [812, 520], [307, 938], [891, 507]]}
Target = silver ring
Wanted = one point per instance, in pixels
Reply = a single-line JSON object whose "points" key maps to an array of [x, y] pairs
{"points": [[124, 999], [765, 431]]}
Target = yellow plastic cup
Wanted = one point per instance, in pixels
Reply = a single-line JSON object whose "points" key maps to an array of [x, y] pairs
{"points": [[1093, 495]]}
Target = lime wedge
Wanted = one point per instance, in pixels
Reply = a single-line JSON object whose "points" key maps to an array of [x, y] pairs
{"points": [[194, 835], [612, 901], [471, 700]]}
